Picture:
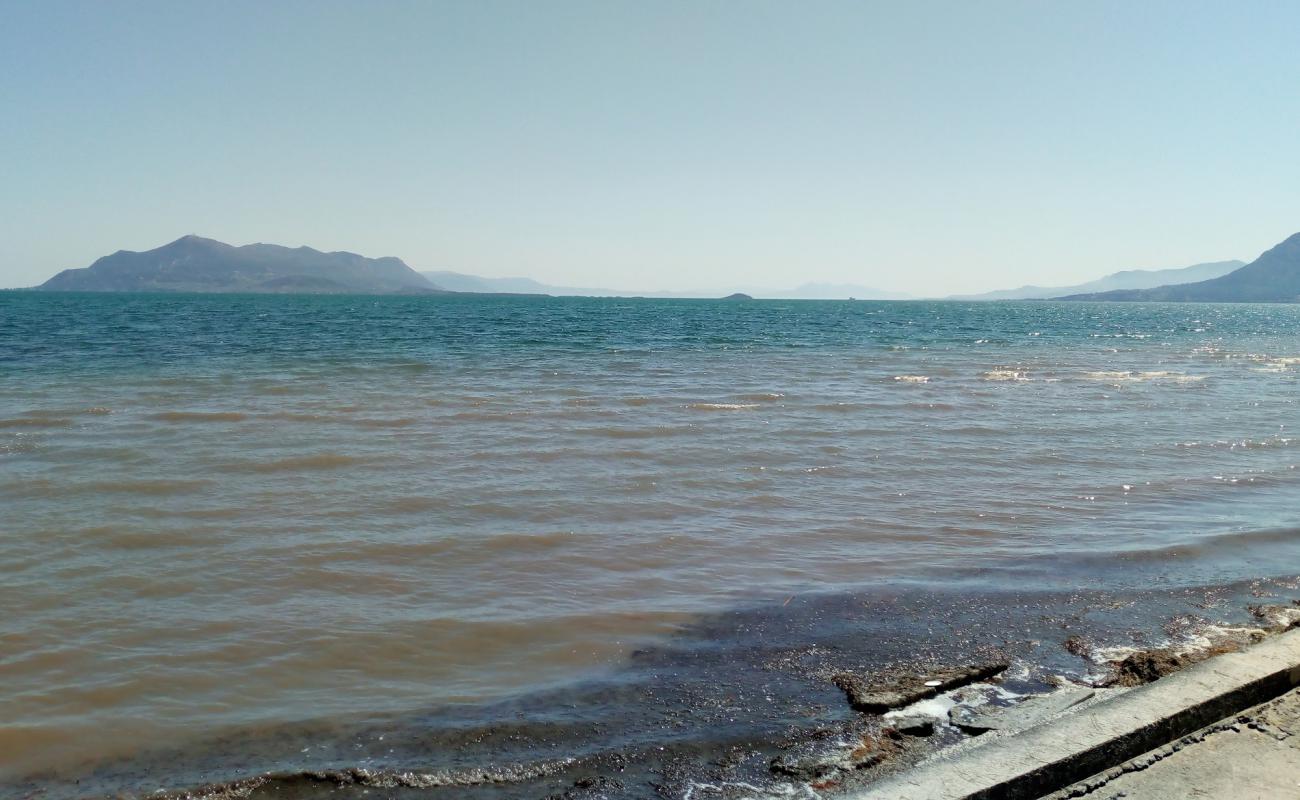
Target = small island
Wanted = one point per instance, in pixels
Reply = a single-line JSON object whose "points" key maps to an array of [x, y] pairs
{"points": [[738, 296]]}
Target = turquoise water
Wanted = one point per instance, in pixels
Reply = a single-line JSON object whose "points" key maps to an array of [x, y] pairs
{"points": [[223, 513]]}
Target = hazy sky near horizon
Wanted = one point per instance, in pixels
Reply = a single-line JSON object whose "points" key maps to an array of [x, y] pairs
{"points": [[920, 147]]}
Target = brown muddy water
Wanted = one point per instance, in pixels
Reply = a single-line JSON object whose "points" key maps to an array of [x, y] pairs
{"points": [[522, 543]]}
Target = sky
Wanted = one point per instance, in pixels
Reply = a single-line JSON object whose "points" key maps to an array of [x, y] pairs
{"points": [[921, 147]]}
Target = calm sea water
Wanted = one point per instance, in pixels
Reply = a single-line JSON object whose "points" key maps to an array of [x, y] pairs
{"points": [[223, 514]]}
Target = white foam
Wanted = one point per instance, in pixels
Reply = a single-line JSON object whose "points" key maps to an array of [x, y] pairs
{"points": [[935, 707], [722, 406], [1006, 375], [1135, 376], [728, 789]]}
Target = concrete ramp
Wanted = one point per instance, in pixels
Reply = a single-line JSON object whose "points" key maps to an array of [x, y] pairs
{"points": [[1044, 759]]}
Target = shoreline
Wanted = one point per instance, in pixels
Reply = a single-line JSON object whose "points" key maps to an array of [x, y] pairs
{"points": [[745, 704], [1089, 746]]}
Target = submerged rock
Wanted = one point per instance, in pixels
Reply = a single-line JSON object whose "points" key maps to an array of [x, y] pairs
{"points": [[1146, 666], [913, 725], [1078, 646], [882, 693]]}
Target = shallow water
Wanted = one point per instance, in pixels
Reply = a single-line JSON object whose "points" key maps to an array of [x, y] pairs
{"points": [[225, 514]]}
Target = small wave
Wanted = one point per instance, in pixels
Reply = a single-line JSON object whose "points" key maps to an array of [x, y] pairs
{"points": [[489, 416], [1006, 375], [842, 406], [762, 397], [297, 416], [151, 487], [1240, 444], [929, 406], [412, 778], [912, 378], [1135, 376], [321, 461], [1204, 546], [722, 406], [1273, 363], [412, 505], [515, 542], [1104, 375], [1279, 361], [400, 422], [633, 433], [199, 416], [278, 390], [36, 422]]}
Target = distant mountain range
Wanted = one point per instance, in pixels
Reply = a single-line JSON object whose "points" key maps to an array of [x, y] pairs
{"points": [[833, 291], [195, 264], [461, 282], [1274, 277], [1128, 279]]}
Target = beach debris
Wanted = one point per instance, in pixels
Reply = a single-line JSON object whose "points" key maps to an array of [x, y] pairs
{"points": [[1079, 646], [1277, 618], [1146, 666], [863, 752], [1193, 644], [592, 786], [882, 692], [1031, 711], [438, 778]]}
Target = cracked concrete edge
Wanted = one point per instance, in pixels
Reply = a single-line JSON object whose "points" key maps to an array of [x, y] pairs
{"points": [[1143, 762], [1067, 750]]}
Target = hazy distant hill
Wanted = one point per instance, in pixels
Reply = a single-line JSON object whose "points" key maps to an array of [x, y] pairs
{"points": [[1128, 279], [460, 282], [833, 291], [1274, 277], [195, 264]]}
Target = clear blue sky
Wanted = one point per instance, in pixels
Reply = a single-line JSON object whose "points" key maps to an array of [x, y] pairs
{"points": [[923, 147]]}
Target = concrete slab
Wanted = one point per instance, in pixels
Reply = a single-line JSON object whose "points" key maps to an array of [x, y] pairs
{"points": [[1026, 714], [1254, 756], [1049, 757]]}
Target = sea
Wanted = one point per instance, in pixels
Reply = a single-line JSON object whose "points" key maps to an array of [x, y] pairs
{"points": [[519, 547]]}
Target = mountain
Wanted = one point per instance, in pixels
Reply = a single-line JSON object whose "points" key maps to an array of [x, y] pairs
{"points": [[1274, 277], [1128, 279], [460, 282], [195, 264]]}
